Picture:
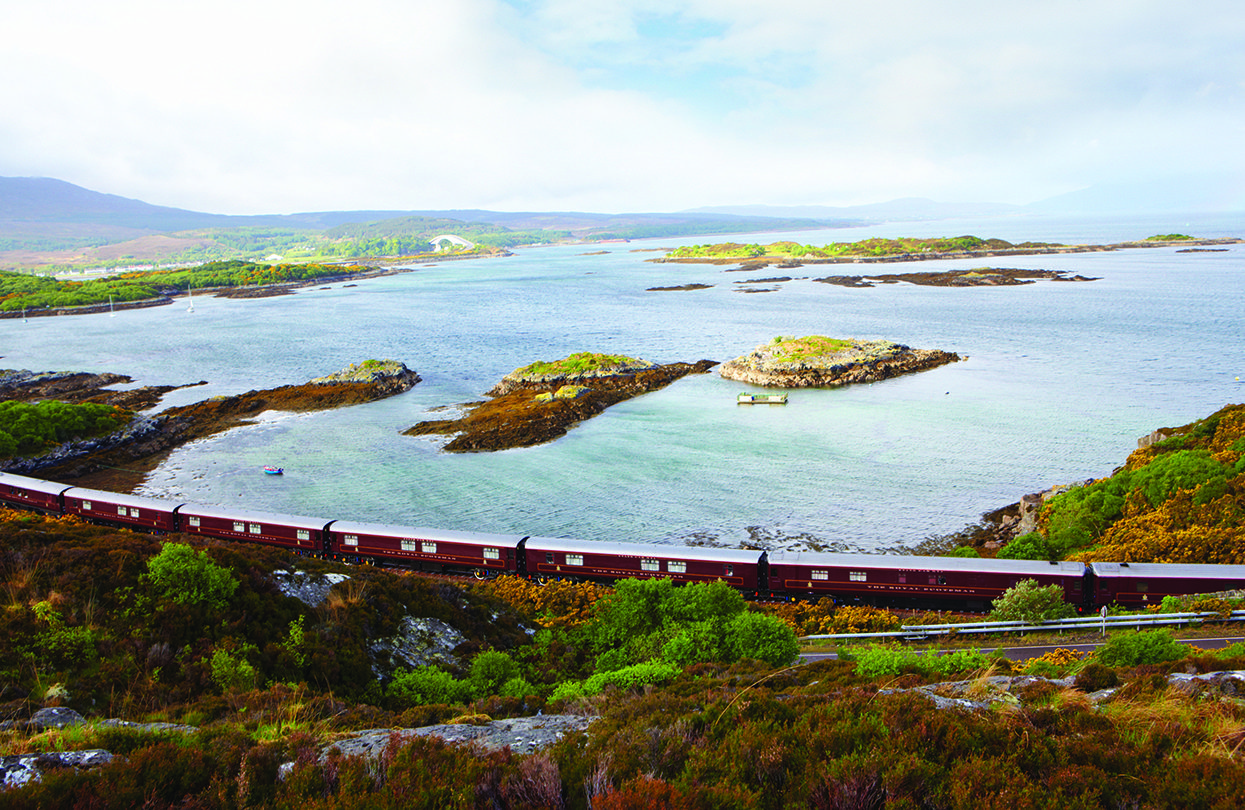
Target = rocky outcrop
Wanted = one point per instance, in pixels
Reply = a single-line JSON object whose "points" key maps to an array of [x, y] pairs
{"points": [[523, 735], [16, 771], [776, 365], [529, 412], [527, 378], [419, 643], [120, 462], [310, 589]]}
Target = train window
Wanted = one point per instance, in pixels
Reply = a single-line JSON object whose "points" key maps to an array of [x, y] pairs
{"points": [[304, 534], [1142, 587], [350, 539], [903, 576], [428, 547], [256, 528], [409, 545], [858, 576], [121, 511], [133, 513], [239, 526], [549, 557], [492, 554], [820, 575], [729, 570], [647, 564], [192, 521], [676, 567], [574, 559], [86, 506], [937, 579]]}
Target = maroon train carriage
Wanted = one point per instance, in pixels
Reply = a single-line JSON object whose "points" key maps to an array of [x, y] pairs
{"points": [[135, 511], [1140, 584], [556, 558], [31, 493], [884, 578], [484, 555], [297, 533]]}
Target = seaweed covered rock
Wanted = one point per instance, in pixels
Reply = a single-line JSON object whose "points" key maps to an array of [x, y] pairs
{"points": [[541, 401]]}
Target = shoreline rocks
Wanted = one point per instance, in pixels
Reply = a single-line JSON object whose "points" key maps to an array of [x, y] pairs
{"points": [[120, 461], [820, 362], [526, 408]]}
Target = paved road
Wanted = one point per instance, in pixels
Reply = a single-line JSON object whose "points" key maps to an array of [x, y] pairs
{"points": [[1020, 653]]}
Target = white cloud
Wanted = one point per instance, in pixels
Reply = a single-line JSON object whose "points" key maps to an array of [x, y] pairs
{"points": [[279, 106]]}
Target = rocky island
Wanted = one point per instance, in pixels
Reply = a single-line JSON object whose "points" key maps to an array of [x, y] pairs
{"points": [[120, 461], [817, 361], [541, 401], [976, 277]]}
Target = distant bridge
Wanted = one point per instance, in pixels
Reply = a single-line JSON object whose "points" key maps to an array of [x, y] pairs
{"points": [[454, 241]]}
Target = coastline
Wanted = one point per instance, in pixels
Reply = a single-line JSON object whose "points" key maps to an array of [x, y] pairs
{"points": [[787, 261], [379, 268]]}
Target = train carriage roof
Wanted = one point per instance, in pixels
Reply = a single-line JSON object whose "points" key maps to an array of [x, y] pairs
{"points": [[916, 563], [421, 533], [35, 484], [270, 518], [121, 499], [1170, 570], [699, 553]]}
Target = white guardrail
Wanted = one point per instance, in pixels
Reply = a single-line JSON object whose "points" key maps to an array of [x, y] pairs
{"points": [[1081, 623]]}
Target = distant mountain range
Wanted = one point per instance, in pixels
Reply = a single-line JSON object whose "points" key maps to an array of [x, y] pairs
{"points": [[44, 220]]}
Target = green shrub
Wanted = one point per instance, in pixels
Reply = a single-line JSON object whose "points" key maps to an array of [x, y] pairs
{"points": [[424, 686], [1134, 649], [632, 677], [763, 637], [1026, 601], [567, 690], [190, 577], [232, 673], [1031, 546], [879, 660], [489, 670]]}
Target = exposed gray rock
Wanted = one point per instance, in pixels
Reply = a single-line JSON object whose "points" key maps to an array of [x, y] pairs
{"points": [[55, 717], [523, 735], [16, 771], [981, 693], [1230, 683], [310, 589], [420, 643]]}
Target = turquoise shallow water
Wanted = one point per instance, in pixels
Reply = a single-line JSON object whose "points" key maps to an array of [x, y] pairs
{"points": [[1059, 382]]}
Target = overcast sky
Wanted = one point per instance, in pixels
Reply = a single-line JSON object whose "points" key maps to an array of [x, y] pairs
{"points": [[260, 106]]}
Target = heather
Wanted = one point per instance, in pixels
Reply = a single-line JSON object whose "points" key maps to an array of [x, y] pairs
{"points": [[1180, 499], [696, 699]]}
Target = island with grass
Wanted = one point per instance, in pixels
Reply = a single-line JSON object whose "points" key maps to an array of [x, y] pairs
{"points": [[817, 361], [543, 400], [902, 249]]}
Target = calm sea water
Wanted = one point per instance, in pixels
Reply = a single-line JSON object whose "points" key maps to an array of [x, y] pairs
{"points": [[1059, 382]]}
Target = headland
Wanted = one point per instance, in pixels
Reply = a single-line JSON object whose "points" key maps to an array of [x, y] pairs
{"points": [[120, 461]]}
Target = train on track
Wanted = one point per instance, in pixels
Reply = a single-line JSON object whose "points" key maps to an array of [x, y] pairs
{"points": [[848, 578]]}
